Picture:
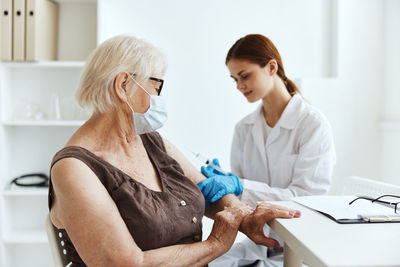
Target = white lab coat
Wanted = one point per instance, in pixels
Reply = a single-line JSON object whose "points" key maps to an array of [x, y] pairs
{"points": [[296, 160]]}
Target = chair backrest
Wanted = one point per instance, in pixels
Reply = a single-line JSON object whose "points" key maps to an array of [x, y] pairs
{"points": [[354, 185], [54, 243]]}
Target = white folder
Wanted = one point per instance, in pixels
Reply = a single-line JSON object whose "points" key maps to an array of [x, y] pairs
{"points": [[6, 29], [41, 30], [19, 30]]}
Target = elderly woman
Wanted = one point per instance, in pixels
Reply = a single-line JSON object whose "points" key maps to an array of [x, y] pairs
{"points": [[121, 194]]}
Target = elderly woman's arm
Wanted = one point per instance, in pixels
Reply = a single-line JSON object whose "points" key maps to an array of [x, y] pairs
{"points": [[85, 209], [254, 221]]}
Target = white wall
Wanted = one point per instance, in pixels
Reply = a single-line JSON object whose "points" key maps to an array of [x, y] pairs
{"points": [[360, 61], [392, 60], [390, 129], [334, 47], [195, 36]]}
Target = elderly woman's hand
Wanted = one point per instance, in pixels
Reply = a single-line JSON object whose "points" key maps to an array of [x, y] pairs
{"points": [[225, 228], [253, 223]]}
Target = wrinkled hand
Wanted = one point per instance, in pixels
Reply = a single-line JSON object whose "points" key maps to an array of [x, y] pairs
{"points": [[225, 228], [253, 223]]}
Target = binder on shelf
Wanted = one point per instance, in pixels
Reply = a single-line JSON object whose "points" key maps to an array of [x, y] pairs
{"points": [[6, 29], [41, 30], [19, 30]]}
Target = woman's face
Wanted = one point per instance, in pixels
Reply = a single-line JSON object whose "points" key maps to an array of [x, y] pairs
{"points": [[140, 99], [252, 80]]}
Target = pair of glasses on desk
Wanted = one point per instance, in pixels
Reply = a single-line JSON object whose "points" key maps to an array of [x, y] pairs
{"points": [[386, 200]]}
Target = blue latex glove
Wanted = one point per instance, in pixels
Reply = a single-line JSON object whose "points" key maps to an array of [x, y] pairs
{"points": [[209, 171], [217, 184]]}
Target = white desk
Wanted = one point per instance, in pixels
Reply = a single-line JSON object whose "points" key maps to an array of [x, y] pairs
{"points": [[319, 241]]}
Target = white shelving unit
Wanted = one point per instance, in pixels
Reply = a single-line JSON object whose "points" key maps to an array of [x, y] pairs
{"points": [[37, 116], [43, 123], [21, 192], [26, 237]]}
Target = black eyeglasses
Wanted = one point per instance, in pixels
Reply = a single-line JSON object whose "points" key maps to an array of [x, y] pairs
{"points": [[380, 201], [161, 81]]}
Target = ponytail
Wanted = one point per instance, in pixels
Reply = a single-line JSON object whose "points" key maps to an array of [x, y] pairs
{"points": [[291, 87]]}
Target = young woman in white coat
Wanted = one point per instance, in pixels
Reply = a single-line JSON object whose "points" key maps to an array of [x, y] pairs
{"points": [[285, 147]]}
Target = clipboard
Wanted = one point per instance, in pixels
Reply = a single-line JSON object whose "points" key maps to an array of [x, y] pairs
{"points": [[338, 209]]}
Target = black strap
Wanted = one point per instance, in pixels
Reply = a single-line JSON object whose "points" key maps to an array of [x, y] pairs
{"points": [[44, 180]]}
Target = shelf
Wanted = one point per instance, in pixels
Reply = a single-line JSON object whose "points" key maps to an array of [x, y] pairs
{"points": [[42, 90], [20, 192], [25, 237], [76, 1], [44, 123], [45, 64]]}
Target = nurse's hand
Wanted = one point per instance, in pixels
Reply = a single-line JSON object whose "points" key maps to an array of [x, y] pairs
{"points": [[214, 168], [253, 223], [218, 184]]}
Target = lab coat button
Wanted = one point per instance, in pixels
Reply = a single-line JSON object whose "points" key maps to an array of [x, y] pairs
{"points": [[194, 220], [197, 238], [183, 203]]}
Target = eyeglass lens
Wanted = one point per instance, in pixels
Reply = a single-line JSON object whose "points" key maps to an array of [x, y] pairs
{"points": [[389, 200], [158, 83], [393, 200]]}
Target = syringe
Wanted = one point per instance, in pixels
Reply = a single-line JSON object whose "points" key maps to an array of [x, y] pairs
{"points": [[208, 162]]}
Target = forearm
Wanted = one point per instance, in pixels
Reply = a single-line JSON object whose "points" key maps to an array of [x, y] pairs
{"points": [[254, 191], [196, 254], [229, 200]]}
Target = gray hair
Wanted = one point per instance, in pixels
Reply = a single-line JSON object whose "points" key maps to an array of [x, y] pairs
{"points": [[118, 54]]}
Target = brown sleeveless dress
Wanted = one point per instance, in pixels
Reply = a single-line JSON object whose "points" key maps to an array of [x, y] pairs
{"points": [[154, 219]]}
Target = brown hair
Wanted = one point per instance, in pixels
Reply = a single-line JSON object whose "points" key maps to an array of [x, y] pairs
{"points": [[258, 49]]}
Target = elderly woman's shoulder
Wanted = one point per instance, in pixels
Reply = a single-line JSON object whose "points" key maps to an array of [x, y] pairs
{"points": [[68, 168]]}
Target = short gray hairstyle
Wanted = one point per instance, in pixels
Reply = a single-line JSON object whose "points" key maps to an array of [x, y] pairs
{"points": [[118, 54]]}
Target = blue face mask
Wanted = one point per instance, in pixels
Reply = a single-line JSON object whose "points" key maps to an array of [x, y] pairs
{"points": [[154, 118]]}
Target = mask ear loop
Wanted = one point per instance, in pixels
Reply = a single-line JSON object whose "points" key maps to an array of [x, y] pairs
{"points": [[130, 106], [133, 112], [140, 86], [127, 100]]}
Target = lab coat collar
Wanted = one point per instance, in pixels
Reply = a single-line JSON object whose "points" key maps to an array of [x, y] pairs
{"points": [[289, 117], [288, 120], [292, 113]]}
